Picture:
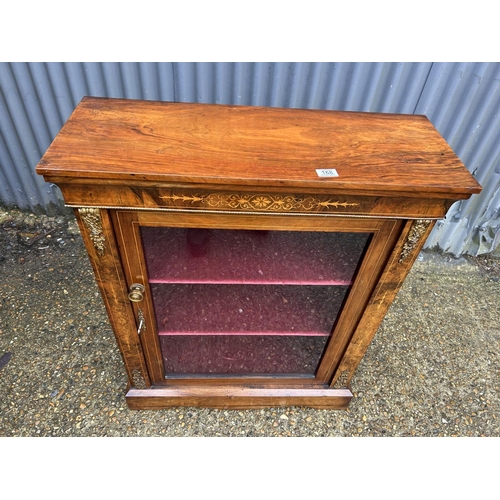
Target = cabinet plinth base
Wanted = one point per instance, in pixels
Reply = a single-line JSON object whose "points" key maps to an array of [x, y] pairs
{"points": [[156, 398]]}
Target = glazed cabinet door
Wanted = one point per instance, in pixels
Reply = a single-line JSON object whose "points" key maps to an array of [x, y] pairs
{"points": [[224, 298]]}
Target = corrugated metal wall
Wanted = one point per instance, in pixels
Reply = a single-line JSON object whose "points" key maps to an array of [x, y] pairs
{"points": [[463, 102], [461, 99]]}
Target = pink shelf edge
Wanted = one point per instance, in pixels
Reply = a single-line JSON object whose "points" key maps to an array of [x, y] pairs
{"points": [[248, 334], [249, 282]]}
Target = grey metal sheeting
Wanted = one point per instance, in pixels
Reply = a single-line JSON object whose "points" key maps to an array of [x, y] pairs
{"points": [[461, 99]]}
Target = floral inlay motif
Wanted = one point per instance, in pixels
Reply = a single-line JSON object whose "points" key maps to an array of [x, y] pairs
{"points": [[259, 202]]}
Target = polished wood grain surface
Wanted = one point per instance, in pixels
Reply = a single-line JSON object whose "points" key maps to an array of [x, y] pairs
{"points": [[258, 202], [240, 146], [237, 397], [385, 292], [101, 246]]}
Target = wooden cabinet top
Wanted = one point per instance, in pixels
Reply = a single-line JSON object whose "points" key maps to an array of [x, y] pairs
{"points": [[206, 144]]}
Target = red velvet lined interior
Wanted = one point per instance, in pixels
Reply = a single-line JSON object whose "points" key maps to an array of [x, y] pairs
{"points": [[247, 302], [221, 354], [181, 255], [243, 309]]}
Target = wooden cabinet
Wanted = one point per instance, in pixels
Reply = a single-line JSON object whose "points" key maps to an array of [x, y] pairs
{"points": [[246, 256]]}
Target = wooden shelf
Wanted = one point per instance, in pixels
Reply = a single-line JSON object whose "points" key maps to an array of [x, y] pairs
{"points": [[180, 255]]}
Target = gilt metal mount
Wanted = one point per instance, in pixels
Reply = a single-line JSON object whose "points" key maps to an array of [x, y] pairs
{"points": [[138, 380], [91, 218], [417, 230]]}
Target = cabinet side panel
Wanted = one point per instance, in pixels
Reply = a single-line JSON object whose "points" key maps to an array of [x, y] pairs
{"points": [[98, 236], [405, 252], [378, 252]]}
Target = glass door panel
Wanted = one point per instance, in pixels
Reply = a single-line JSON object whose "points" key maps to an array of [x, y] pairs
{"points": [[236, 302], [241, 354], [190, 255]]}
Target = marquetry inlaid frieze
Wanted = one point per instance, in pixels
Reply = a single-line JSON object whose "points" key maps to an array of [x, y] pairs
{"points": [[263, 202]]}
